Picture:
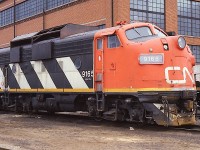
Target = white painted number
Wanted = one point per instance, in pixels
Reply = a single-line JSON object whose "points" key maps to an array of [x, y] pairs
{"points": [[151, 59], [87, 74]]}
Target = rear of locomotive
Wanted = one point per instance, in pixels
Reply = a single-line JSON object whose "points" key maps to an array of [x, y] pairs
{"points": [[152, 73]]}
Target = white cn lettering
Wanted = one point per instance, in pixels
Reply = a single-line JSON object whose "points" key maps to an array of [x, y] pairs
{"points": [[176, 68]]}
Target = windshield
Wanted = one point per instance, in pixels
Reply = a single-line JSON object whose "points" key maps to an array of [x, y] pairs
{"points": [[138, 32], [159, 33]]}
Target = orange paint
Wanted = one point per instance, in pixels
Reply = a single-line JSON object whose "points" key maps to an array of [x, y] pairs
{"points": [[121, 68]]}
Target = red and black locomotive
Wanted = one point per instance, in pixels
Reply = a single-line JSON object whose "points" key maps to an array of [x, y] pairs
{"points": [[132, 72]]}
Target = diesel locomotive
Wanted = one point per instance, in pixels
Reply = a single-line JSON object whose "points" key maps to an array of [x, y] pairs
{"points": [[132, 72]]}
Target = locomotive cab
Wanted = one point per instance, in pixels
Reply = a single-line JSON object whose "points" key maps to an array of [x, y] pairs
{"points": [[146, 67]]}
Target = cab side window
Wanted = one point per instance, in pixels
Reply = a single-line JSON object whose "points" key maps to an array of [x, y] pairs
{"points": [[99, 44], [113, 41]]}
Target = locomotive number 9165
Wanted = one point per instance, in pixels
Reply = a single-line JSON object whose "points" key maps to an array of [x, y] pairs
{"points": [[151, 59]]}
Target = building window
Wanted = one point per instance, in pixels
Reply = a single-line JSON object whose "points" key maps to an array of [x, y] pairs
{"points": [[196, 52], [7, 16], [148, 11], [189, 17], [50, 4], [28, 9]]}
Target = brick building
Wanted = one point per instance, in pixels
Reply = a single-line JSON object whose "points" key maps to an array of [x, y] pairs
{"points": [[19, 17]]}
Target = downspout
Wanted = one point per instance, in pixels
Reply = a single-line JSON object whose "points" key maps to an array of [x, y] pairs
{"points": [[43, 13], [112, 12], [14, 19]]}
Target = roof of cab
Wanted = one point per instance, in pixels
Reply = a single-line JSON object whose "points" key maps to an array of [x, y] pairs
{"points": [[110, 31]]}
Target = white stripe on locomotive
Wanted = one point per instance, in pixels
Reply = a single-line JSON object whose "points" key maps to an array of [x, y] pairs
{"points": [[43, 75], [2, 80], [72, 74], [20, 77]]}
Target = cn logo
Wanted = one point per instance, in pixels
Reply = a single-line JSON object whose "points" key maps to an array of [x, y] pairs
{"points": [[176, 68]]}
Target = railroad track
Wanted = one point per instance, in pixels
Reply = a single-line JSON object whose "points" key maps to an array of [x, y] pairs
{"points": [[83, 118], [195, 128], [189, 129]]}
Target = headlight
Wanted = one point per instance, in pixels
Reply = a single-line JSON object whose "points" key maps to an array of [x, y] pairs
{"points": [[181, 42]]}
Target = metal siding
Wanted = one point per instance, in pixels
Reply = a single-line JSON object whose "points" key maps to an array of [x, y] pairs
{"points": [[31, 75], [55, 77], [69, 48], [42, 51], [86, 65], [26, 53], [56, 74], [43, 75], [15, 54], [72, 74], [2, 79], [12, 82], [5, 58]]}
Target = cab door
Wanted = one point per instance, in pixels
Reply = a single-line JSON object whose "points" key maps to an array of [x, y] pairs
{"points": [[107, 52], [112, 64], [99, 63]]}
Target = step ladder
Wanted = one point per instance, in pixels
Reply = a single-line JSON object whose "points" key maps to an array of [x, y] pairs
{"points": [[197, 115], [166, 110], [6, 99], [100, 97]]}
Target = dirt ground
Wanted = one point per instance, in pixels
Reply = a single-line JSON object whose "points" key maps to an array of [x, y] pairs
{"points": [[67, 132]]}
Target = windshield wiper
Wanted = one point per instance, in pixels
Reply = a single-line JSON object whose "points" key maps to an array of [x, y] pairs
{"points": [[137, 32]]}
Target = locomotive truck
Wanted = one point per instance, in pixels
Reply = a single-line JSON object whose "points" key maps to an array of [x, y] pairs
{"points": [[132, 72]]}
